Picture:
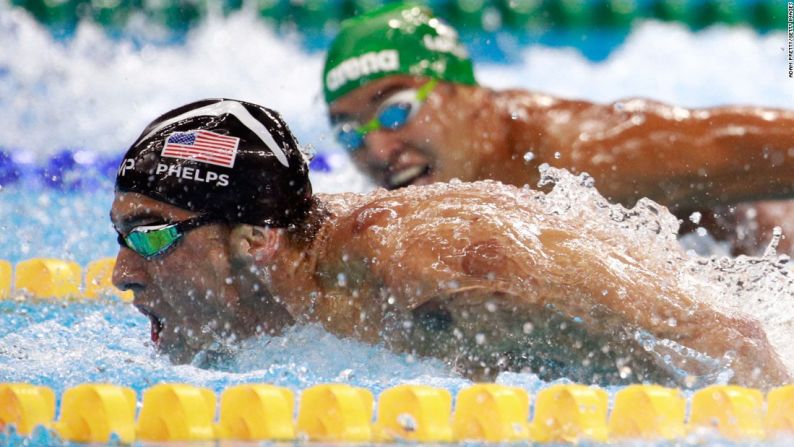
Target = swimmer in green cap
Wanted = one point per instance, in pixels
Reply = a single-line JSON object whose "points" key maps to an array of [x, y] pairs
{"points": [[222, 239], [404, 102]]}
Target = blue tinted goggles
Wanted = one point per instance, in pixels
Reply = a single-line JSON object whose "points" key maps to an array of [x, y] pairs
{"points": [[394, 113]]}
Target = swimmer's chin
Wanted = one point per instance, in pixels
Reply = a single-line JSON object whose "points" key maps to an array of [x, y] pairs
{"points": [[210, 358], [178, 357], [176, 349], [207, 355]]}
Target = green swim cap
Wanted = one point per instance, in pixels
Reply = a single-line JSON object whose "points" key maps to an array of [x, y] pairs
{"points": [[394, 39]]}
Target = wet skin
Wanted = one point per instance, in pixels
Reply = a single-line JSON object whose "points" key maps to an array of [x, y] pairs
{"points": [[195, 294], [685, 159], [418, 146], [750, 226], [475, 274]]}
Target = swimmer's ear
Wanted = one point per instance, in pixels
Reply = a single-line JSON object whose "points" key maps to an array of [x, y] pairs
{"points": [[255, 245]]}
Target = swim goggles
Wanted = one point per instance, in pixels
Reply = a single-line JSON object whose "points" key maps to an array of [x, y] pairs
{"points": [[151, 241], [393, 113]]}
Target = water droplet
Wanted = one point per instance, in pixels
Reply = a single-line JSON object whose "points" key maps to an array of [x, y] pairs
{"points": [[557, 155], [528, 328], [695, 217], [407, 422], [479, 339], [529, 156], [345, 375]]}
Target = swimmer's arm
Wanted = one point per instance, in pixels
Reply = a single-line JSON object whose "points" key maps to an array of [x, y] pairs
{"points": [[683, 158], [562, 270], [619, 290]]}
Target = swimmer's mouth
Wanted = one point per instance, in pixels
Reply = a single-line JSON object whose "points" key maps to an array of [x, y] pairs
{"points": [[405, 177], [156, 326]]}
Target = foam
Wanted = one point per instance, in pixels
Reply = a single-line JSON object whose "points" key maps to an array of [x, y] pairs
{"points": [[95, 92]]}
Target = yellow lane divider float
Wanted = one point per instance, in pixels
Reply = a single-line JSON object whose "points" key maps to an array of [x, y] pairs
{"points": [[177, 413], [5, 279], [99, 413], [734, 412], [98, 280], [96, 413], [414, 413], [44, 278], [649, 412], [570, 413], [492, 413], [48, 278], [255, 412], [26, 406], [779, 420], [335, 412]]}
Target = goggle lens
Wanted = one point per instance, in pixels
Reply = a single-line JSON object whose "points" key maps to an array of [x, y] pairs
{"points": [[395, 113], [349, 138], [150, 243], [395, 116], [153, 240]]}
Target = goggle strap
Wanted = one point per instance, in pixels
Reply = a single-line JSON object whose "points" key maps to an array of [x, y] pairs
{"points": [[195, 222], [425, 90], [371, 125]]}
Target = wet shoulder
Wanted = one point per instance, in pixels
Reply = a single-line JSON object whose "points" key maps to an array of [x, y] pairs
{"points": [[382, 214]]}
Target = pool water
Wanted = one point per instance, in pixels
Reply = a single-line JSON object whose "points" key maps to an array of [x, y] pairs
{"points": [[92, 94]]}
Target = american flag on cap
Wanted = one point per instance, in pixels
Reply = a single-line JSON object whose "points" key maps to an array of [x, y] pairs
{"points": [[202, 145]]}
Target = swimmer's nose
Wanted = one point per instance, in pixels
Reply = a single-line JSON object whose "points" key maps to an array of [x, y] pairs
{"points": [[128, 274], [381, 148]]}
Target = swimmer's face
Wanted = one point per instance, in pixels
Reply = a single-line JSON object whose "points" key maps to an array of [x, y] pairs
{"points": [[189, 292], [436, 144]]}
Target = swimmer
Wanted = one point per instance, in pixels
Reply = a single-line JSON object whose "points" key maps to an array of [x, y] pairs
{"points": [[476, 274], [404, 103]]}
